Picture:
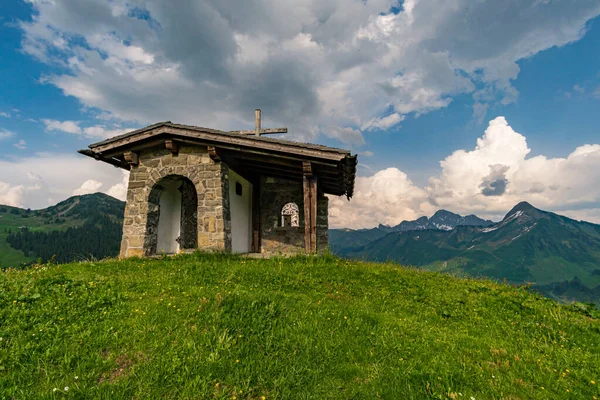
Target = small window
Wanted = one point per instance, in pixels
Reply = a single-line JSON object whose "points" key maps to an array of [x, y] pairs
{"points": [[290, 215], [238, 188]]}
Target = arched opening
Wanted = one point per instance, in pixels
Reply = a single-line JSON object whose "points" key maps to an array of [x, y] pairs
{"points": [[172, 223]]}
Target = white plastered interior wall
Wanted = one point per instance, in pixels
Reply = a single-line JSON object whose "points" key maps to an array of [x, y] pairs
{"points": [[169, 222], [241, 213]]}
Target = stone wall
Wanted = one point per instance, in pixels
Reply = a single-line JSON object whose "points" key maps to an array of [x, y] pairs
{"points": [[275, 239], [157, 166]]}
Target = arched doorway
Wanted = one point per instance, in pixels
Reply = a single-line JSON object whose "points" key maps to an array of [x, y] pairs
{"points": [[172, 223]]}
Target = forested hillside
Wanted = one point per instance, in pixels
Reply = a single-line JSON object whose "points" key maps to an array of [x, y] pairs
{"points": [[79, 228]]}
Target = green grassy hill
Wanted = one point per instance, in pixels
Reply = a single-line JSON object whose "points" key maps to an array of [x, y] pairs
{"points": [[81, 227], [225, 327]]}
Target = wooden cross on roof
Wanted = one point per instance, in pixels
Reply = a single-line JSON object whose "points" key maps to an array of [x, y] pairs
{"points": [[257, 129]]}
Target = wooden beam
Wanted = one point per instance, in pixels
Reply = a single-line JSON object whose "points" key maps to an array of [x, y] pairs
{"points": [[213, 154], [131, 157], [257, 122], [313, 215], [172, 146], [307, 236], [110, 160], [307, 168], [266, 131]]}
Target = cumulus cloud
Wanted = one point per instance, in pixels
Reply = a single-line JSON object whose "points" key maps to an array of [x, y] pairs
{"points": [[387, 197], [15, 194], [62, 126], [11, 195], [87, 187], [309, 64], [52, 176], [487, 180], [103, 132], [119, 191], [21, 145], [74, 127]]}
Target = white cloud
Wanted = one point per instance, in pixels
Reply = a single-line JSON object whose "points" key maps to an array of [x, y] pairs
{"points": [[11, 195], [383, 123], [387, 197], [487, 180], [103, 132], [309, 64], [46, 173], [74, 127], [87, 187], [119, 190], [4, 114], [345, 135], [62, 126], [21, 144], [4, 134]]}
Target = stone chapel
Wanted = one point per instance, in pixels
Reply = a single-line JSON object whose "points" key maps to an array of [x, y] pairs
{"points": [[237, 191]]}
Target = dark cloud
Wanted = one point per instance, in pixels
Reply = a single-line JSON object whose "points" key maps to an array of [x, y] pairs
{"points": [[495, 183]]}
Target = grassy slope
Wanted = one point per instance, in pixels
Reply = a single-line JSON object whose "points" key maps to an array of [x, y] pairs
{"points": [[214, 326]]}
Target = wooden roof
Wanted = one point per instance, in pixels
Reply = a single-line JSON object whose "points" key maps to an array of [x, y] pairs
{"points": [[335, 168]]}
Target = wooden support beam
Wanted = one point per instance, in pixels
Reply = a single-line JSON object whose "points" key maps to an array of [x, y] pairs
{"points": [[131, 157], [117, 163], [307, 236], [307, 168], [313, 215], [212, 152], [172, 146]]}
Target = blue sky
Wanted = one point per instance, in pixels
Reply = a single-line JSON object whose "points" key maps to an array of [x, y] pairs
{"points": [[410, 96]]}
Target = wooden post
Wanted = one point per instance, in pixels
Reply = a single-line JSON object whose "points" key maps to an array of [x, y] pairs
{"points": [[257, 122], [313, 215], [307, 212]]}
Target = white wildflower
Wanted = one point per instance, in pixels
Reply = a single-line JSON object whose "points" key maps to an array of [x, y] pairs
{"points": [[66, 388]]}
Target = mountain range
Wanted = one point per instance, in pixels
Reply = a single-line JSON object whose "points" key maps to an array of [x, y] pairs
{"points": [[340, 240], [558, 255]]}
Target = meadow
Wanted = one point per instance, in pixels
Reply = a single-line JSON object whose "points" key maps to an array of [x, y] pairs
{"points": [[228, 327]]}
